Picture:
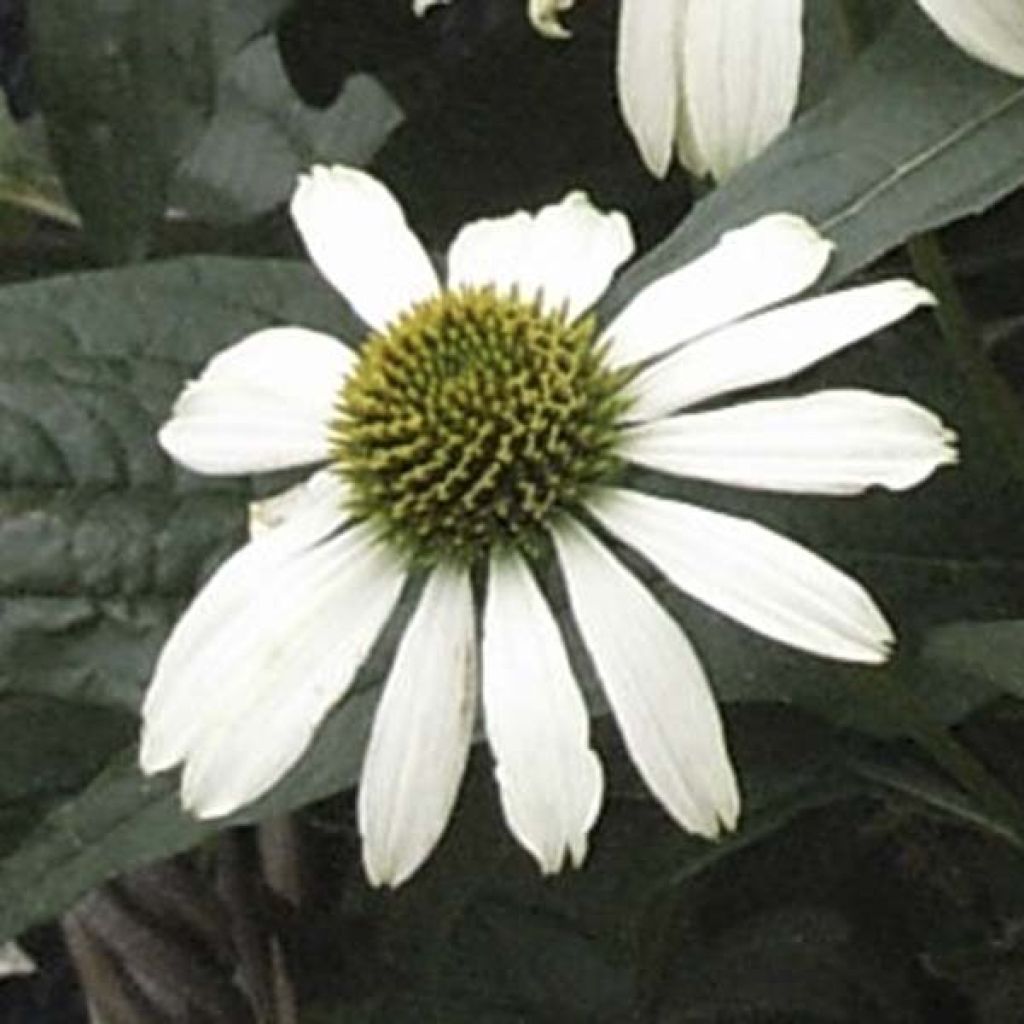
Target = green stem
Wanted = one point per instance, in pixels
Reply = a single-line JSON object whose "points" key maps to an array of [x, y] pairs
{"points": [[914, 719], [995, 402]]}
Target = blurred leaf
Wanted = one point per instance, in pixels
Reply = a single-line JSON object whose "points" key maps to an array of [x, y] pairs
{"points": [[51, 749], [262, 135], [990, 653], [125, 87], [797, 963], [27, 179], [917, 135]]}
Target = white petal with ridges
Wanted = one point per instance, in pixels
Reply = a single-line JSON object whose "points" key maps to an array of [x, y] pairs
{"points": [[491, 251], [761, 579], [647, 77], [421, 733], [358, 237], [750, 268], [655, 685], [771, 347], [263, 404], [173, 708], [990, 30], [740, 66], [550, 780], [830, 442], [277, 666], [566, 253]]}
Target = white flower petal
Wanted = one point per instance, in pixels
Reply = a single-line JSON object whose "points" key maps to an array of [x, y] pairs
{"points": [[544, 15], [265, 403], [357, 235], [292, 359], [550, 780], [567, 253], [647, 80], [750, 268], [491, 251], [655, 685], [831, 442], [267, 514], [173, 706], [14, 961], [990, 30], [740, 66], [288, 657], [763, 580], [421, 733], [771, 347], [420, 7]]}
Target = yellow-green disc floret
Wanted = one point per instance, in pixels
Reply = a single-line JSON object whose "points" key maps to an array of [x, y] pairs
{"points": [[474, 415]]}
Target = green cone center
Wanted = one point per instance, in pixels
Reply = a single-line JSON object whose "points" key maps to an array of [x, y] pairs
{"points": [[471, 418]]}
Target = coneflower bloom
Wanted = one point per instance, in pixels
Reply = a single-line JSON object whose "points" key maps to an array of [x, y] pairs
{"points": [[480, 425]]}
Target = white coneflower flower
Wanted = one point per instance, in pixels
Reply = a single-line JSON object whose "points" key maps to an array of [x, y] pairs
{"points": [[717, 80], [476, 423]]}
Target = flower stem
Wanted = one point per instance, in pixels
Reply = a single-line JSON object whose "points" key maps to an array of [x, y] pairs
{"points": [[1003, 812], [996, 404]]}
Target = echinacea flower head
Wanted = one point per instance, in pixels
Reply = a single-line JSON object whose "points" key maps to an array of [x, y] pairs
{"points": [[715, 81], [479, 427]]}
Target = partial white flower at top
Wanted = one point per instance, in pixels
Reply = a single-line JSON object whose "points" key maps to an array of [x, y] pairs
{"points": [[543, 14], [715, 81], [479, 424]]}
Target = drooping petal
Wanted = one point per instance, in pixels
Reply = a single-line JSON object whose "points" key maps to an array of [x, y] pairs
{"points": [[357, 235], [647, 79], [655, 685], [740, 75], [279, 665], [990, 30], [567, 253], [761, 579], [173, 706], [750, 268], [771, 347], [421, 733], [263, 404], [831, 442], [550, 780]]}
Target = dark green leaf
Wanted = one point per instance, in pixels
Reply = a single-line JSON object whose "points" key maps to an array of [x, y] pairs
{"points": [[798, 963], [989, 653]]}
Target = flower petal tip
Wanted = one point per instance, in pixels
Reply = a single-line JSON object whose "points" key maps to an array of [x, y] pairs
{"points": [[170, 439], [151, 764], [881, 651], [786, 221], [543, 15], [380, 876], [203, 809], [420, 7]]}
